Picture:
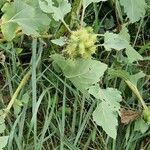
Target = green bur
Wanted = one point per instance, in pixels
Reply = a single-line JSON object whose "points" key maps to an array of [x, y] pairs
{"points": [[81, 43], [146, 115]]}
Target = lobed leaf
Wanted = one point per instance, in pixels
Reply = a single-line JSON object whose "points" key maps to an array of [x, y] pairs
{"points": [[135, 9], [18, 15], [105, 118], [110, 95], [107, 110], [59, 12], [121, 41], [83, 73]]}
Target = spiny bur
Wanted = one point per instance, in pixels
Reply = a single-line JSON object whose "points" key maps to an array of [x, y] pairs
{"points": [[81, 43]]}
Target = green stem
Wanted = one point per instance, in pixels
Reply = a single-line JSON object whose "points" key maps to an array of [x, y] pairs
{"points": [[136, 92], [21, 85], [69, 19], [67, 27], [82, 16], [100, 35]]}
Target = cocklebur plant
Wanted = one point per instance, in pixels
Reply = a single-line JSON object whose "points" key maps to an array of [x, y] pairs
{"points": [[80, 47], [83, 71]]}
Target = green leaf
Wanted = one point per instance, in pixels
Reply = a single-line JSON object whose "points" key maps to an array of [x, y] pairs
{"points": [[126, 76], [121, 41], [33, 3], [18, 15], [25, 98], [17, 107], [2, 2], [110, 95], [105, 118], [58, 12], [114, 41], [132, 54], [141, 125], [47, 6], [88, 2], [60, 42], [83, 73], [117, 41], [19, 103], [106, 113], [135, 77], [119, 73], [3, 141], [124, 33], [61, 61], [135, 9]]}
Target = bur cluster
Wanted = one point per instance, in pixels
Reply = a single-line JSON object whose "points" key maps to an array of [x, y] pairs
{"points": [[81, 43]]}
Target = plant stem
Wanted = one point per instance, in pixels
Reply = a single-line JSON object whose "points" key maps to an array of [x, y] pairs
{"points": [[69, 19], [100, 45], [21, 85], [136, 92], [82, 16], [100, 35], [66, 26]]}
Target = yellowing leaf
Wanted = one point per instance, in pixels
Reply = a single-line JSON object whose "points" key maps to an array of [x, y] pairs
{"points": [[127, 116]]}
